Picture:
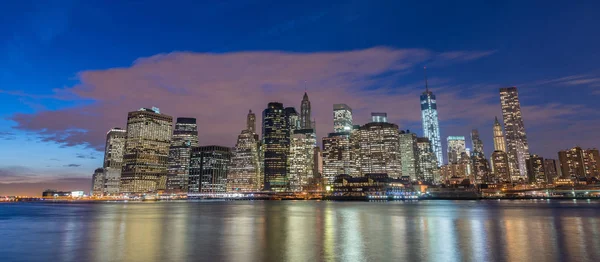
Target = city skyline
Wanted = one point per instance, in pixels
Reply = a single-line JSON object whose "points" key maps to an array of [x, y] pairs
{"points": [[60, 98]]}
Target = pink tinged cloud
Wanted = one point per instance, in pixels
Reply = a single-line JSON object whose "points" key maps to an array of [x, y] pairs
{"points": [[218, 89]]}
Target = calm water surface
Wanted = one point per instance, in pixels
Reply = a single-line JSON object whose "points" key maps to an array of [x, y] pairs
{"points": [[302, 231]]}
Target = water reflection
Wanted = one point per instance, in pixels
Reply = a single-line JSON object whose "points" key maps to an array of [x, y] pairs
{"points": [[302, 231]]}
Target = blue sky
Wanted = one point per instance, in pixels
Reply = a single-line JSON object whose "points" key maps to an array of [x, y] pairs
{"points": [[548, 49]]}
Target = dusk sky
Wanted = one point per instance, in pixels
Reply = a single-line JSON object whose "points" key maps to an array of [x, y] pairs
{"points": [[71, 70]]}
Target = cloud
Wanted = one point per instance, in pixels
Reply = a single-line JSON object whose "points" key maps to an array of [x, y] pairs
{"points": [[7, 136], [82, 156], [218, 89], [72, 165], [592, 80]]}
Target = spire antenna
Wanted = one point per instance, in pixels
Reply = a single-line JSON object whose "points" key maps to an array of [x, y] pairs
{"points": [[305, 86], [426, 85]]}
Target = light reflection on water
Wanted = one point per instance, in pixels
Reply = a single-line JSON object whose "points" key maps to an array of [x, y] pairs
{"points": [[302, 231]]}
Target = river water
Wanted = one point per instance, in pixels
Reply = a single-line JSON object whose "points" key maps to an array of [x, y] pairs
{"points": [[435, 230]]}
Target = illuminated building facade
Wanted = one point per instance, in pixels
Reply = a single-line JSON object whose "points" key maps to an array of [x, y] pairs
{"points": [[500, 168], [499, 143], [456, 146], [578, 163], [409, 154], [379, 149], [98, 180], [244, 171], [342, 118], [536, 172], [431, 125], [305, 114], [113, 160], [146, 151], [379, 117], [208, 169], [479, 163], [276, 137], [293, 121], [338, 156], [301, 160], [428, 166], [185, 136], [517, 147]]}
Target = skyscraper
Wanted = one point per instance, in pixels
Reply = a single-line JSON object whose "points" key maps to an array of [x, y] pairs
{"points": [[146, 151], [379, 149], [427, 161], [516, 139], [301, 160], [338, 156], [379, 117], [244, 173], [478, 161], [456, 146], [98, 182], [305, 116], [185, 136], [251, 122], [113, 160], [208, 169], [276, 137], [535, 169], [499, 143], [500, 168], [409, 154], [293, 121], [578, 163], [342, 118], [431, 126]]}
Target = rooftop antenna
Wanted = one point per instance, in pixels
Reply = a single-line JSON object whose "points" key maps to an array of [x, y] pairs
{"points": [[426, 85], [305, 86]]}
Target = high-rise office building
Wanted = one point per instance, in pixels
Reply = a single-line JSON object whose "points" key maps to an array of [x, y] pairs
{"points": [[478, 161], [409, 154], [500, 168], [292, 118], [379, 149], [456, 146], [431, 125], [499, 143], [578, 163], [536, 172], [146, 151], [305, 114], [379, 117], [276, 139], [338, 156], [185, 137], [517, 147], [301, 160], [244, 171], [342, 118], [113, 160], [428, 166], [98, 182], [208, 169], [251, 122]]}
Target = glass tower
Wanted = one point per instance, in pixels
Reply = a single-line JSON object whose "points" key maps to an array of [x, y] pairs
{"points": [[431, 125], [185, 136], [276, 148]]}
